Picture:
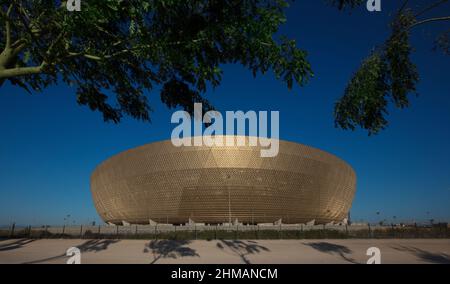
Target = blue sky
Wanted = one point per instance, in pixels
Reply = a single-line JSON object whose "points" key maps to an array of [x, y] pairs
{"points": [[49, 145]]}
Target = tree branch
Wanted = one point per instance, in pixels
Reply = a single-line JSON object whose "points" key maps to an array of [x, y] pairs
{"points": [[20, 71], [18, 49], [405, 2], [447, 18], [8, 26], [52, 45], [432, 6], [124, 51], [18, 43], [88, 56]]}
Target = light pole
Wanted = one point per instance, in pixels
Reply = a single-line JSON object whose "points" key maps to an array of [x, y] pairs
{"points": [[229, 202], [229, 207]]}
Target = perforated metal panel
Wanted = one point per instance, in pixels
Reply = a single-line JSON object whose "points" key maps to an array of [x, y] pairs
{"points": [[164, 183]]}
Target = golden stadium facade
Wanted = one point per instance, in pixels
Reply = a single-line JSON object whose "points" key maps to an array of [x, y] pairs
{"points": [[159, 182]]}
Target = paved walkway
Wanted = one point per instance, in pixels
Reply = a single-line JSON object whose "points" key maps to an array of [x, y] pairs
{"points": [[225, 251]]}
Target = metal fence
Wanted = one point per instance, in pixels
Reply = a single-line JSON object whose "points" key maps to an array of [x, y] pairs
{"points": [[196, 231]]}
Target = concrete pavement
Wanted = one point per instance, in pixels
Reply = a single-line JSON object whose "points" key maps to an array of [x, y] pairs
{"points": [[225, 251]]}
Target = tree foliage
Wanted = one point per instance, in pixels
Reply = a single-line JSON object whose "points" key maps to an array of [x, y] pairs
{"points": [[387, 76], [343, 4], [116, 51], [129, 47]]}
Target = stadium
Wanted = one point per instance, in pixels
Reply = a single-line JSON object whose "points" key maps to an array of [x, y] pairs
{"points": [[161, 183]]}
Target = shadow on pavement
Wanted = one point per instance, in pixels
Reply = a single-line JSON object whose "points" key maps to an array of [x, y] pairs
{"points": [[242, 248], [88, 246], [96, 245], [15, 244], [331, 248], [439, 258], [169, 249]]}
